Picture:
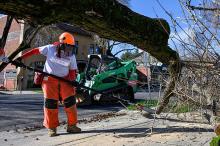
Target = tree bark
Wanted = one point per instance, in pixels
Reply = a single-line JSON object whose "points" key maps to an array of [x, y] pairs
{"points": [[5, 32], [109, 19]]}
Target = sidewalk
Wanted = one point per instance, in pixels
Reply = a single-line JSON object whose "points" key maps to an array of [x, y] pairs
{"points": [[126, 128], [20, 92], [138, 95]]}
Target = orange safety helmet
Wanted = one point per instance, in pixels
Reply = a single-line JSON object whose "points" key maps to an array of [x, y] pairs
{"points": [[67, 38]]}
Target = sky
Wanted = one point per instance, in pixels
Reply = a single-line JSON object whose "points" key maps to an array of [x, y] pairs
{"points": [[151, 8]]}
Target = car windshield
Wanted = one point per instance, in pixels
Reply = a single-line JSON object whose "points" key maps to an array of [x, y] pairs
{"points": [[108, 65]]}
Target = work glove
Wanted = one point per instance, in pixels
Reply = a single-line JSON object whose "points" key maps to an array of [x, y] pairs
{"points": [[18, 61]]}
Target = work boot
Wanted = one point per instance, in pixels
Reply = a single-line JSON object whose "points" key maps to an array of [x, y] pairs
{"points": [[73, 129], [52, 132]]}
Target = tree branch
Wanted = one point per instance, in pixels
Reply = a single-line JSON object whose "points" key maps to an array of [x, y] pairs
{"points": [[5, 32], [202, 8]]}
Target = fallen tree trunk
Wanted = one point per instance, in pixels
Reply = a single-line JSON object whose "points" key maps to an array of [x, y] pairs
{"points": [[109, 19]]}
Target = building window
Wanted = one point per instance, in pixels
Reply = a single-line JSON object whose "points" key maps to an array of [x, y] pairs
{"points": [[98, 50], [91, 49]]}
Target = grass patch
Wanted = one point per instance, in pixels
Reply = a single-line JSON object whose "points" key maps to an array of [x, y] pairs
{"points": [[172, 107], [215, 141], [38, 91], [182, 109], [144, 103]]}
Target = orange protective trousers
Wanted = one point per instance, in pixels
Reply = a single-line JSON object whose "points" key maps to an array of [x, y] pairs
{"points": [[54, 90]]}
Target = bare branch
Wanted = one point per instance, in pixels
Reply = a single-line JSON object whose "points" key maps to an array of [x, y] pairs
{"points": [[201, 8]]}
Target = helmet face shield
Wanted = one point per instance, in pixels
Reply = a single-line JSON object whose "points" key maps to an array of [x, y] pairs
{"points": [[69, 50]]}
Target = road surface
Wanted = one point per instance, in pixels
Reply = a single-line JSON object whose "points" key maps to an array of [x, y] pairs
{"points": [[20, 111]]}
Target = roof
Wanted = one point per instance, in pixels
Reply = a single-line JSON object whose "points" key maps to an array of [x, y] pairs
{"points": [[143, 70], [73, 29], [141, 59]]}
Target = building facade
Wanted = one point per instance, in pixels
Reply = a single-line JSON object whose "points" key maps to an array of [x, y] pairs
{"points": [[8, 77]]}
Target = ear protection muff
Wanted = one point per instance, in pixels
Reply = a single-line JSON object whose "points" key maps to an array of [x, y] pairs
{"points": [[62, 46]]}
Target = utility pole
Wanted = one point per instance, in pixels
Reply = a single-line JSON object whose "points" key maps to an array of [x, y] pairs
{"points": [[147, 67]]}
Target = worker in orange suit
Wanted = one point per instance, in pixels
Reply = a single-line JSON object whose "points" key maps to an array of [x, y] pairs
{"points": [[60, 61]]}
